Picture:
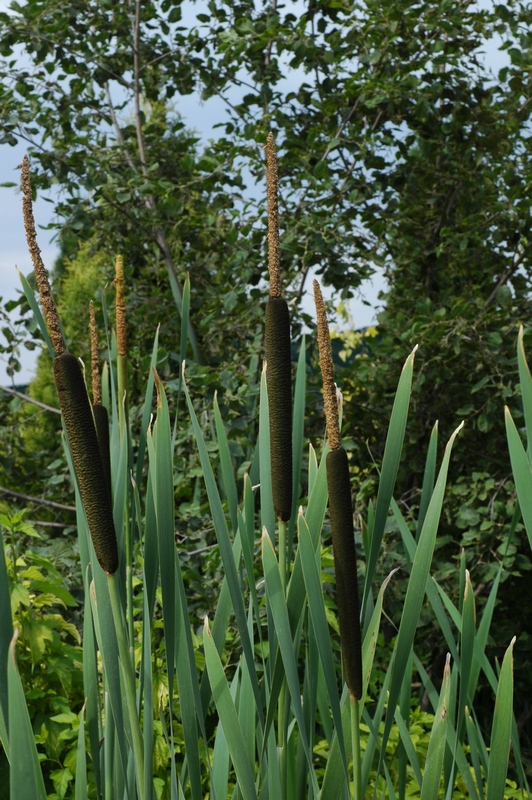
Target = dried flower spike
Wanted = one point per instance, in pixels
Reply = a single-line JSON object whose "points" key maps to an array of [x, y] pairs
{"points": [[120, 308], [273, 218], [43, 284], [330, 401]]}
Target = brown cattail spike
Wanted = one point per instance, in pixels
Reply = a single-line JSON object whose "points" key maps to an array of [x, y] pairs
{"points": [[341, 510], [273, 218], [279, 383], [345, 568], [326, 363], [120, 308], [95, 358], [49, 308], [86, 456]]}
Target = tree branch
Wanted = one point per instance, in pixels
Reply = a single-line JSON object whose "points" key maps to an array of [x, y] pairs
{"points": [[29, 399], [38, 500], [506, 277], [151, 203]]}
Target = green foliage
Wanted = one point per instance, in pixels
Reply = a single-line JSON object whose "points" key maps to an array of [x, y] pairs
{"points": [[49, 654]]}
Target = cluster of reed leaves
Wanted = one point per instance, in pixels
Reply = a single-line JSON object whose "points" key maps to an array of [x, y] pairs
{"points": [[276, 721], [263, 711]]}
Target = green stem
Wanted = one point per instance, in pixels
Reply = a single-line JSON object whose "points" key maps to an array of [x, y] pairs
{"points": [[283, 727], [282, 552], [129, 579], [355, 741], [123, 415], [129, 685]]}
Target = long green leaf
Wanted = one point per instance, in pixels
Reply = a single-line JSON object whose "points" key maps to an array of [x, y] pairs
{"points": [[429, 476], [226, 463], [525, 380], [390, 466], [334, 779], [466, 653], [30, 297], [298, 428], [316, 605], [437, 741], [146, 411], [501, 731], [228, 717], [416, 591], [459, 754], [81, 760], [267, 513], [277, 601], [226, 552], [522, 471], [6, 634], [25, 776]]}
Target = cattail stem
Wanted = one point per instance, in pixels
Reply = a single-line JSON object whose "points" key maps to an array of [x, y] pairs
{"points": [[282, 552], [355, 746]]}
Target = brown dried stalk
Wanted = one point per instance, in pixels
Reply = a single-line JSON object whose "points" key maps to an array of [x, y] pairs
{"points": [[95, 358], [120, 308], [49, 308], [273, 218]]}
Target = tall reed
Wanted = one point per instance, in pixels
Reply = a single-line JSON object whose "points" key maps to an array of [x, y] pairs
{"points": [[75, 407], [278, 355]]}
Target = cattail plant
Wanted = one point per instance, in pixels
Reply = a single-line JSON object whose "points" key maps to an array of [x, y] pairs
{"points": [[278, 356], [75, 407], [341, 510], [343, 539]]}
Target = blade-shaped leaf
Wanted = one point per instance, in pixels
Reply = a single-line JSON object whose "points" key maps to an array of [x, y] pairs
{"points": [[228, 717], [25, 776], [501, 731], [437, 741]]}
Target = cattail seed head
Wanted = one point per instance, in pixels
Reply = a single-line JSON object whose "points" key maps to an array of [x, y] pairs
{"points": [[345, 567], [86, 456], [279, 383]]}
